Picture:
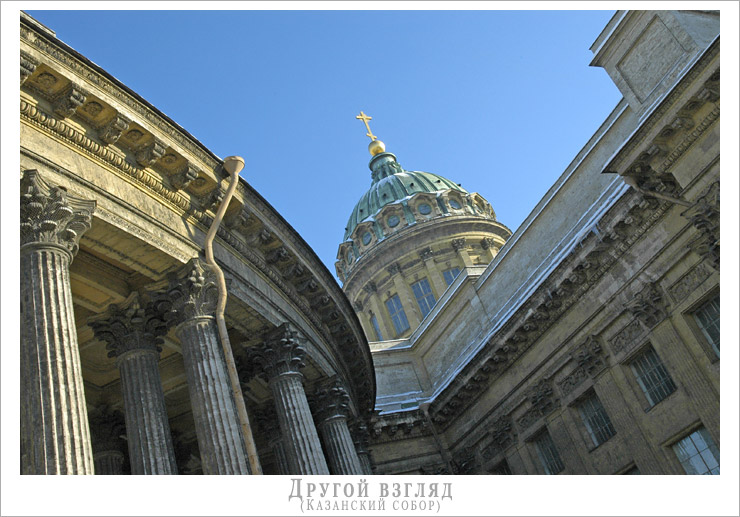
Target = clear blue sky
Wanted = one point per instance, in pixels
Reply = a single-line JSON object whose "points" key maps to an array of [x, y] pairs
{"points": [[499, 101]]}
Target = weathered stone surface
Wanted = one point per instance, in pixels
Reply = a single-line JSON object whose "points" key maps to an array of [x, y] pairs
{"points": [[54, 427], [281, 357], [331, 408]]}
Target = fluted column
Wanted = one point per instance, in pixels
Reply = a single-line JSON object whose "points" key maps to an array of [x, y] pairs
{"points": [[107, 428], [362, 441], [281, 357], [192, 297], [269, 426], [331, 404], [133, 332], [54, 428]]}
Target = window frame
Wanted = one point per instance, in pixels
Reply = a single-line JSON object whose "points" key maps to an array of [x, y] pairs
{"points": [[708, 341], [711, 447], [537, 442], [399, 310], [592, 398], [452, 281], [424, 296], [630, 363]]}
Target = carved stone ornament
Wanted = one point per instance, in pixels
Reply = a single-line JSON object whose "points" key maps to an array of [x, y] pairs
{"points": [[281, 352], [193, 293], [330, 400], [426, 253], [648, 306], [458, 244], [589, 361], [68, 100], [543, 401], [688, 283], [501, 435], [112, 130], [704, 216], [50, 216], [394, 269], [487, 243], [107, 428], [150, 153], [370, 287], [131, 325], [28, 66], [181, 179]]}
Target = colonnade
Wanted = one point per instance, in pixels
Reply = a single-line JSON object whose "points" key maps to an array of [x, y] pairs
{"points": [[314, 435]]}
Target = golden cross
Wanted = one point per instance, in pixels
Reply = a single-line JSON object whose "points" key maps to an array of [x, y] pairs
{"points": [[365, 118]]}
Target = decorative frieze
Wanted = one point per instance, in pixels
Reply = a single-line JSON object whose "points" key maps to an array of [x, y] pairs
{"points": [[688, 283], [627, 337]]}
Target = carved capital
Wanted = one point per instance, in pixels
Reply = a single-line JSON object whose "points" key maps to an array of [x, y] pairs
{"points": [[131, 325], [458, 244], [501, 436], [181, 179], [543, 402], [426, 253], [68, 100], [193, 293], [394, 269], [648, 306], [331, 401], [150, 153], [107, 429], [370, 287], [487, 243], [50, 216], [110, 132], [28, 66], [281, 352]]}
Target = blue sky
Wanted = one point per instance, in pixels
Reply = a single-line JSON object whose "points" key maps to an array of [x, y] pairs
{"points": [[499, 101]]}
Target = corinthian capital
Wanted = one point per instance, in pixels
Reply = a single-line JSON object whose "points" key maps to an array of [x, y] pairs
{"points": [[331, 400], [132, 325], [50, 216], [193, 293], [280, 352]]}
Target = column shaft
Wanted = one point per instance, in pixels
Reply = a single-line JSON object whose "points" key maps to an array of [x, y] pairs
{"points": [[54, 422], [296, 425], [340, 450], [214, 410], [109, 463], [147, 428], [281, 457]]}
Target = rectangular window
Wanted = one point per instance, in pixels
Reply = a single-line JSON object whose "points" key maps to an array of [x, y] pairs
{"points": [[374, 321], [450, 275], [424, 296], [697, 453], [595, 419], [707, 317], [652, 376], [397, 314], [548, 454]]}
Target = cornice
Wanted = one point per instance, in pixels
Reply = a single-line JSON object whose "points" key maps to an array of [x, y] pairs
{"points": [[335, 321]]}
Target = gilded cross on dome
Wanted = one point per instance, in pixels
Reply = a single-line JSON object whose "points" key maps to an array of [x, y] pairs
{"points": [[365, 118]]}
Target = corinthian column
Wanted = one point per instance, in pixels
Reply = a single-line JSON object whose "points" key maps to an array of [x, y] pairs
{"points": [[107, 428], [332, 406], [362, 442], [281, 357], [269, 426], [54, 428], [133, 333], [192, 298]]}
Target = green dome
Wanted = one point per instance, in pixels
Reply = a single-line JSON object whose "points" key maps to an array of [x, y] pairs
{"points": [[391, 184]]}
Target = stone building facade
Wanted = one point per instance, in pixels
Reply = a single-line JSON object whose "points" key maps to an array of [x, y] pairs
{"points": [[586, 342], [589, 342], [124, 365]]}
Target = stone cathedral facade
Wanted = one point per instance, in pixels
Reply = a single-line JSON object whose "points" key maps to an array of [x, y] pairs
{"points": [[585, 342]]}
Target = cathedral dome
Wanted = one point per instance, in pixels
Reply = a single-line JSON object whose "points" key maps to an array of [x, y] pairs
{"points": [[392, 184]]}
